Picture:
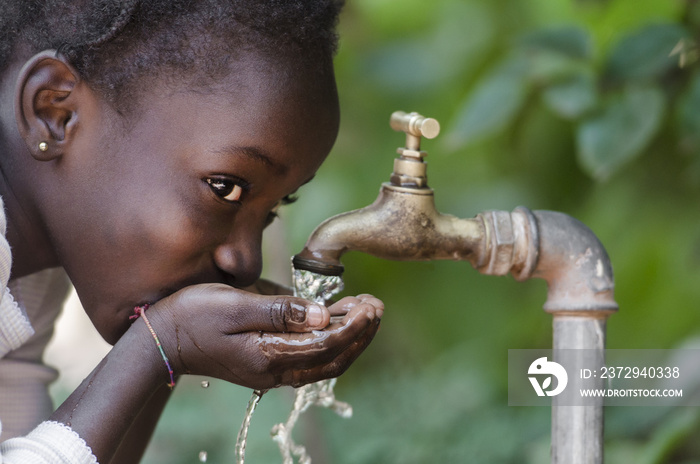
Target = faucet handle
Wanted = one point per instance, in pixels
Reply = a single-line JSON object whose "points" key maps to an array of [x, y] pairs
{"points": [[415, 126], [409, 169]]}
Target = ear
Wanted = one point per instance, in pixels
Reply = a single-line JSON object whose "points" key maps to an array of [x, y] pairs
{"points": [[47, 103]]}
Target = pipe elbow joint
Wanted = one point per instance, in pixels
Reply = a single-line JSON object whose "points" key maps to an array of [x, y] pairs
{"points": [[575, 265], [555, 247]]}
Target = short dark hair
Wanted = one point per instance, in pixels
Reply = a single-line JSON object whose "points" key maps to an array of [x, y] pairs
{"points": [[113, 43]]}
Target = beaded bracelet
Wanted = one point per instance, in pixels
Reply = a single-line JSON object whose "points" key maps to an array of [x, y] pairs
{"points": [[141, 311]]}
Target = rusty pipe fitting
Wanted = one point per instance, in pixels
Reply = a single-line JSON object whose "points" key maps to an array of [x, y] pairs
{"points": [[512, 243], [554, 247], [575, 265]]}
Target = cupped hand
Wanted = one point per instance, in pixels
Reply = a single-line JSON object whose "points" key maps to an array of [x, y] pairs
{"points": [[262, 341]]}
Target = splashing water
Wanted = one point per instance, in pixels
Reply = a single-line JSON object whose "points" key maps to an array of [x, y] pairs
{"points": [[315, 287], [202, 456], [315, 394], [318, 288]]}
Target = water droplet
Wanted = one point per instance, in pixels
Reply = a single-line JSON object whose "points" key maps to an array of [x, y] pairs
{"points": [[205, 384], [202, 454]]}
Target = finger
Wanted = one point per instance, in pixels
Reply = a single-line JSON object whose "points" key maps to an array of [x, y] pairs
{"points": [[367, 298], [337, 366], [292, 368], [288, 351], [342, 307], [361, 307], [374, 301], [289, 314], [245, 312]]}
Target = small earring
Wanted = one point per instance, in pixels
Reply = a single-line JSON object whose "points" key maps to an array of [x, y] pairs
{"points": [[43, 146]]}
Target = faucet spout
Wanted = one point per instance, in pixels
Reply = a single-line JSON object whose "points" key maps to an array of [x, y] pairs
{"points": [[401, 225]]}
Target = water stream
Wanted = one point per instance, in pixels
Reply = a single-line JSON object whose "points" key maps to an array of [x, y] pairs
{"points": [[242, 437], [318, 288]]}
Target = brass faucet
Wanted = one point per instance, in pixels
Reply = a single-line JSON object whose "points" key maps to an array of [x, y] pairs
{"points": [[402, 224]]}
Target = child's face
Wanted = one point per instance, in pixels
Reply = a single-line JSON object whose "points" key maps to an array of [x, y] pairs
{"points": [[182, 196]]}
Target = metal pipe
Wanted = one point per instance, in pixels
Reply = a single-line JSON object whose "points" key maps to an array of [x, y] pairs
{"points": [[403, 224], [577, 431], [570, 258], [580, 297]]}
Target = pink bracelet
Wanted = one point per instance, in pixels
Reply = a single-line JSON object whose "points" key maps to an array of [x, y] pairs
{"points": [[141, 311]]}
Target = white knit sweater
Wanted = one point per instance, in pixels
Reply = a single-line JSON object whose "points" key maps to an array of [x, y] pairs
{"points": [[24, 379]]}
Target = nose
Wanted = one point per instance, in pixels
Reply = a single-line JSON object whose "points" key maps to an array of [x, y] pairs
{"points": [[240, 258]]}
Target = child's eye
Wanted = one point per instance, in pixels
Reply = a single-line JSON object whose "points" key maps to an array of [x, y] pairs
{"points": [[288, 200], [226, 189]]}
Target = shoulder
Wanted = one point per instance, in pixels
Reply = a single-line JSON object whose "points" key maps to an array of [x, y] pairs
{"points": [[49, 443], [15, 328]]}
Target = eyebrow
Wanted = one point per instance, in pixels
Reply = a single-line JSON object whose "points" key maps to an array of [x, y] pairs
{"points": [[255, 154]]}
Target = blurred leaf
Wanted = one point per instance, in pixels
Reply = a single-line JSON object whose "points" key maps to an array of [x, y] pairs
{"points": [[573, 97], [404, 66], [621, 131], [693, 14], [384, 16], [670, 435], [493, 105], [644, 54], [424, 61], [686, 51], [688, 118], [545, 67], [572, 42], [614, 19], [555, 54]]}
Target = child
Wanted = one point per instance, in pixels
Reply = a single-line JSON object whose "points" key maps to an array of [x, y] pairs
{"points": [[144, 147]]}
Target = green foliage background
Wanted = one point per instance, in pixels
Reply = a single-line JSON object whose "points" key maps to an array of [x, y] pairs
{"points": [[567, 105]]}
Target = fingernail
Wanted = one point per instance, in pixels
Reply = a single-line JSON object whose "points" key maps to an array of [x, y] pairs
{"points": [[314, 315]]}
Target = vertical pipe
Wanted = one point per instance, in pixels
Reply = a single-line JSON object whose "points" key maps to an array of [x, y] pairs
{"points": [[564, 252], [577, 431]]}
